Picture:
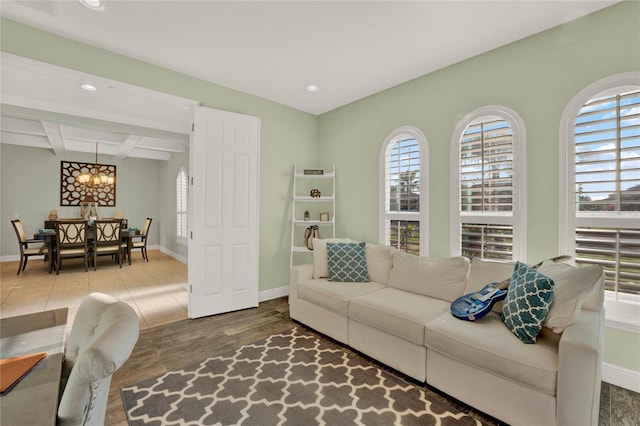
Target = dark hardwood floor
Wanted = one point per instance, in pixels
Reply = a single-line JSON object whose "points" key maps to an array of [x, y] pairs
{"points": [[186, 342]]}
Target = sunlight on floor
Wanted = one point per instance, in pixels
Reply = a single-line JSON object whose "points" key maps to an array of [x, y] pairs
{"points": [[157, 289]]}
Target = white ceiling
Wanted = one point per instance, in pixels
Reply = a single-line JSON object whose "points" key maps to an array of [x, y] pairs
{"points": [[271, 49], [274, 49], [126, 120]]}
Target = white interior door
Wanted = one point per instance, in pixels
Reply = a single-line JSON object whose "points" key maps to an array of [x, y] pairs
{"points": [[224, 203]]}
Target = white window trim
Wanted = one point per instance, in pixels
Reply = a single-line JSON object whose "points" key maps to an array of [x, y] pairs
{"points": [[621, 310], [518, 218], [405, 132], [179, 239]]}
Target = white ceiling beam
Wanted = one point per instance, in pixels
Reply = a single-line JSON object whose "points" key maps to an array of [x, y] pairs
{"points": [[128, 146], [56, 139], [25, 140], [150, 155], [161, 144], [19, 125], [93, 135]]}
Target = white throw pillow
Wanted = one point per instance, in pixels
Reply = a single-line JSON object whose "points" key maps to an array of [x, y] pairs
{"points": [[442, 278], [320, 258], [572, 286], [484, 271], [379, 262]]}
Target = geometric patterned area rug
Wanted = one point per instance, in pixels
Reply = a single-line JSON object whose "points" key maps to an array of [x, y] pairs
{"points": [[292, 378]]}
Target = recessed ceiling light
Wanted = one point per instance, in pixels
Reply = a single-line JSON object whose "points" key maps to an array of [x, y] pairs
{"points": [[92, 4], [312, 88], [89, 87]]}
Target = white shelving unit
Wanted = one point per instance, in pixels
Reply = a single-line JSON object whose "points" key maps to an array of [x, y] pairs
{"points": [[303, 201]]}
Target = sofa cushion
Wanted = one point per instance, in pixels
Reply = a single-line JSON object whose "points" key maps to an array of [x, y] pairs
{"points": [[442, 278], [483, 272], [489, 346], [572, 286], [320, 265], [379, 262], [347, 262], [334, 296], [397, 312], [527, 302]]}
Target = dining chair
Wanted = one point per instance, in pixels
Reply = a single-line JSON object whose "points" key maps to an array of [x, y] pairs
{"points": [[142, 243], [71, 241], [103, 335], [107, 240], [25, 250]]}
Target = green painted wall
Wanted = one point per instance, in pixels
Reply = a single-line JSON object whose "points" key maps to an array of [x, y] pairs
{"points": [[622, 348], [536, 77], [287, 136]]}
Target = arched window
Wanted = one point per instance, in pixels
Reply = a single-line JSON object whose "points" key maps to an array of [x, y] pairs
{"points": [[600, 181], [181, 205], [404, 191], [488, 186]]}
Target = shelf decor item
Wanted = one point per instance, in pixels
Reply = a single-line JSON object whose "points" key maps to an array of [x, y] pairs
{"points": [[306, 203], [314, 172]]}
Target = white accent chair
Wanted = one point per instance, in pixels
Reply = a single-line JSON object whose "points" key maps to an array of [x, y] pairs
{"points": [[103, 335]]}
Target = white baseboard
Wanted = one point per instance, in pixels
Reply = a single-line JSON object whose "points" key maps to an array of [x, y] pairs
{"points": [[170, 253], [273, 293], [264, 295], [10, 258], [620, 376]]}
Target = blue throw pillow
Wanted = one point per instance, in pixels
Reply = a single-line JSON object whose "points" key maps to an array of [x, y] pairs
{"points": [[527, 303], [347, 262]]}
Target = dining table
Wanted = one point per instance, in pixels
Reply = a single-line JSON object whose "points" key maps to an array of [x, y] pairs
{"points": [[48, 235], [34, 399]]}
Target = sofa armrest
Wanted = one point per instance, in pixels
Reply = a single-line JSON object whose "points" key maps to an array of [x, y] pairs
{"points": [[297, 274], [580, 356]]}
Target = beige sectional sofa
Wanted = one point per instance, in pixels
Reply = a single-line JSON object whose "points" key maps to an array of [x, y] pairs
{"points": [[401, 318]]}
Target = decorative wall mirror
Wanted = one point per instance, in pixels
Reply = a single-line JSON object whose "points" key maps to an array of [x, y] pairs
{"points": [[87, 183]]}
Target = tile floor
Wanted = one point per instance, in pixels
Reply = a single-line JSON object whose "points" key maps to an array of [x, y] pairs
{"points": [[157, 289]]}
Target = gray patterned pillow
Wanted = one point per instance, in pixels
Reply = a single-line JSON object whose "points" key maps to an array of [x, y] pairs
{"points": [[527, 302], [347, 262]]}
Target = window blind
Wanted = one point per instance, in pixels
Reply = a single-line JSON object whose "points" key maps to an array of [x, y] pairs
{"points": [[487, 241], [403, 176], [402, 195], [486, 166], [607, 147], [404, 235], [607, 188], [617, 251], [181, 208]]}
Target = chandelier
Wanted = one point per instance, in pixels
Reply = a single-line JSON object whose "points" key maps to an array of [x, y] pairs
{"points": [[94, 179]]}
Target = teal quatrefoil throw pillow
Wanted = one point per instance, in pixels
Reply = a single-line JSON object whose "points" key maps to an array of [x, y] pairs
{"points": [[527, 302], [347, 262]]}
